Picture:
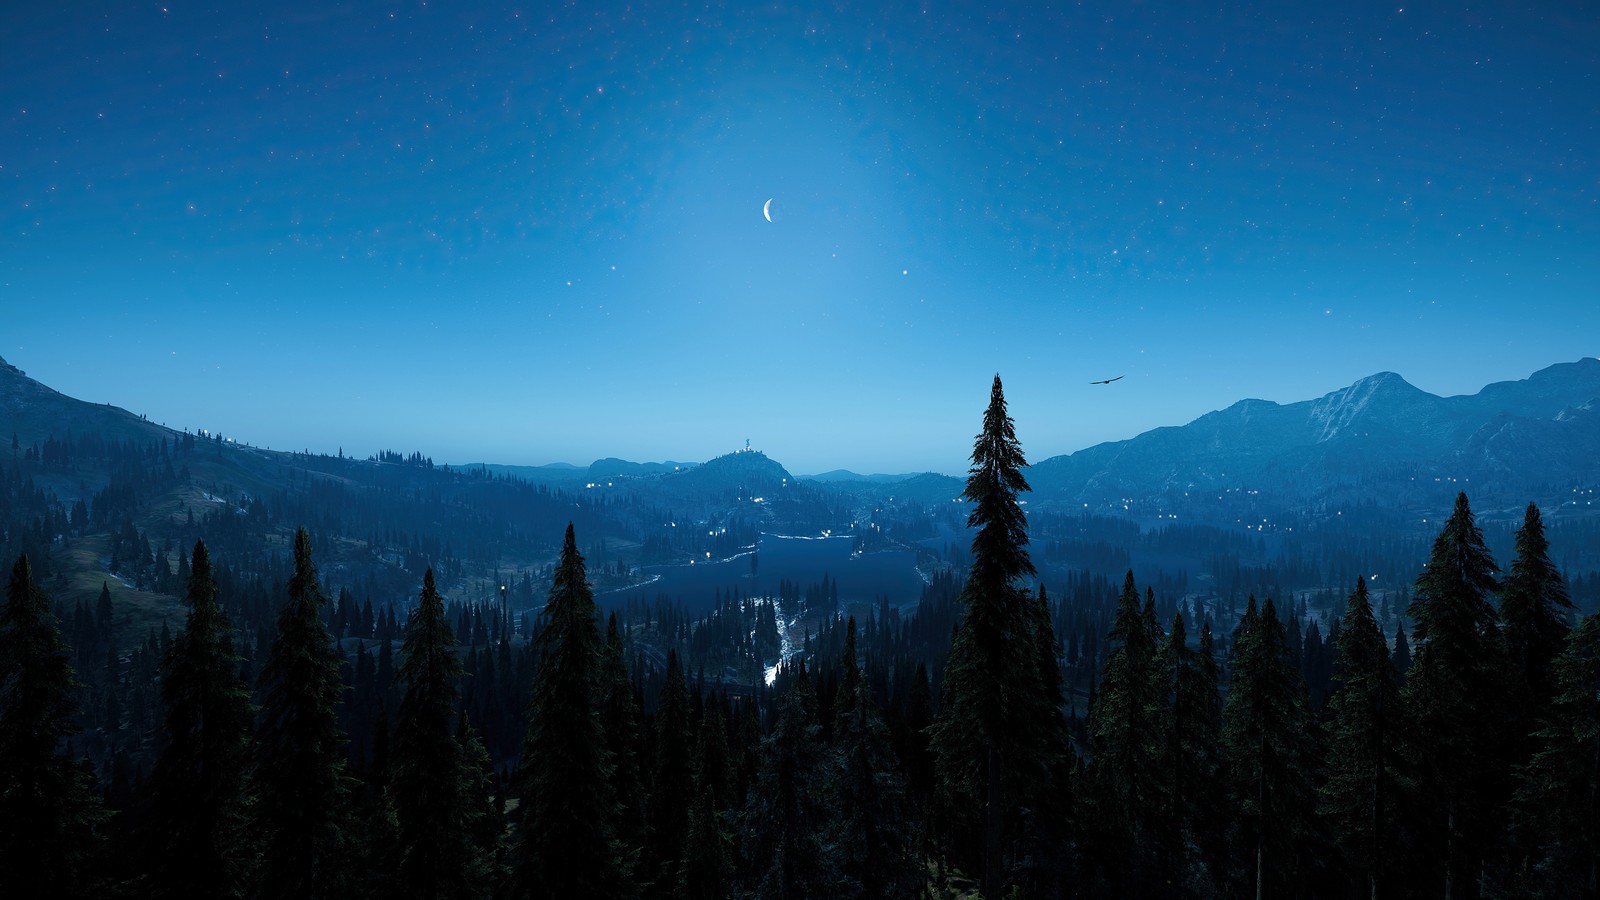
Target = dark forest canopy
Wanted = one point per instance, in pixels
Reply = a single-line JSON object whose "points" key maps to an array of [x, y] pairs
{"points": [[1062, 711]]}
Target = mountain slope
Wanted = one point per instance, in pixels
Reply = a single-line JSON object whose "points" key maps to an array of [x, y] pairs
{"points": [[1381, 434], [34, 413]]}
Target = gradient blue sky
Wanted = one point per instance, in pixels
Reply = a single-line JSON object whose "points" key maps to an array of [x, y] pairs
{"points": [[519, 235]]}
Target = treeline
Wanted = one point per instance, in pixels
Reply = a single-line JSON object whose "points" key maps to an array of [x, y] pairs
{"points": [[1466, 769], [254, 793], [1002, 741]]}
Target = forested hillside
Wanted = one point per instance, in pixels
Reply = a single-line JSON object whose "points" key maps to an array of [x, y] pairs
{"points": [[337, 708]]}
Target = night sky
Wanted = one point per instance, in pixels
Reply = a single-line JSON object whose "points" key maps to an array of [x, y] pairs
{"points": [[514, 235]]}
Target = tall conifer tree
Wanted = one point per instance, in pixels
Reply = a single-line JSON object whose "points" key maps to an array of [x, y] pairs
{"points": [[1455, 692], [989, 753], [1211, 795], [302, 786], [483, 798], [49, 820], [567, 846], [621, 723], [1559, 791], [704, 871], [672, 784], [1365, 784], [1124, 737], [199, 843], [1048, 836], [1534, 606], [1188, 760], [1269, 755], [784, 836], [437, 815], [871, 820]]}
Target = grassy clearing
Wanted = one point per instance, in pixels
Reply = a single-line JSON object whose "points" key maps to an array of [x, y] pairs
{"points": [[80, 573]]}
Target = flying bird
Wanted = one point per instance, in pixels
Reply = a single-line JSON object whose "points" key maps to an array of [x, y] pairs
{"points": [[1108, 380]]}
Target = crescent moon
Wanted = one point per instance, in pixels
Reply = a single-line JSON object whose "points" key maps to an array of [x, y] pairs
{"points": [[766, 209]]}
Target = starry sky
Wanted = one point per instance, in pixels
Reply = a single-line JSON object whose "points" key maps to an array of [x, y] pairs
{"points": [[534, 233]]}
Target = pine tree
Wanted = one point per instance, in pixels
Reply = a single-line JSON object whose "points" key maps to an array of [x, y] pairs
{"points": [[1211, 804], [1365, 784], [379, 836], [1400, 657], [198, 840], [567, 845], [1189, 761], [1269, 755], [1047, 832], [50, 821], [1122, 730], [104, 612], [435, 809], [302, 786], [989, 754], [1559, 790], [705, 870], [849, 677], [619, 718], [1454, 691], [485, 820], [1534, 606], [784, 822], [672, 783], [871, 824]]}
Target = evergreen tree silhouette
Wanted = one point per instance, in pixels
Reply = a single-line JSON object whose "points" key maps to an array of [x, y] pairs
{"points": [[567, 846], [51, 824], [1455, 692], [199, 842], [990, 754], [434, 781], [302, 787]]}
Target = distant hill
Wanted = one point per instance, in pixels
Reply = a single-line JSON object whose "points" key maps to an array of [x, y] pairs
{"points": [[611, 467], [926, 487], [568, 475], [1355, 476], [98, 473], [551, 474], [749, 472], [1380, 438], [845, 475], [34, 413]]}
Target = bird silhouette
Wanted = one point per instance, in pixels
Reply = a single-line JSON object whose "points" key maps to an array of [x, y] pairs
{"points": [[1108, 380]]}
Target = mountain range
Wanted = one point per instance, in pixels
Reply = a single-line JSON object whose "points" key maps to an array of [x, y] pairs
{"points": [[1381, 437], [97, 480], [1513, 441]]}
